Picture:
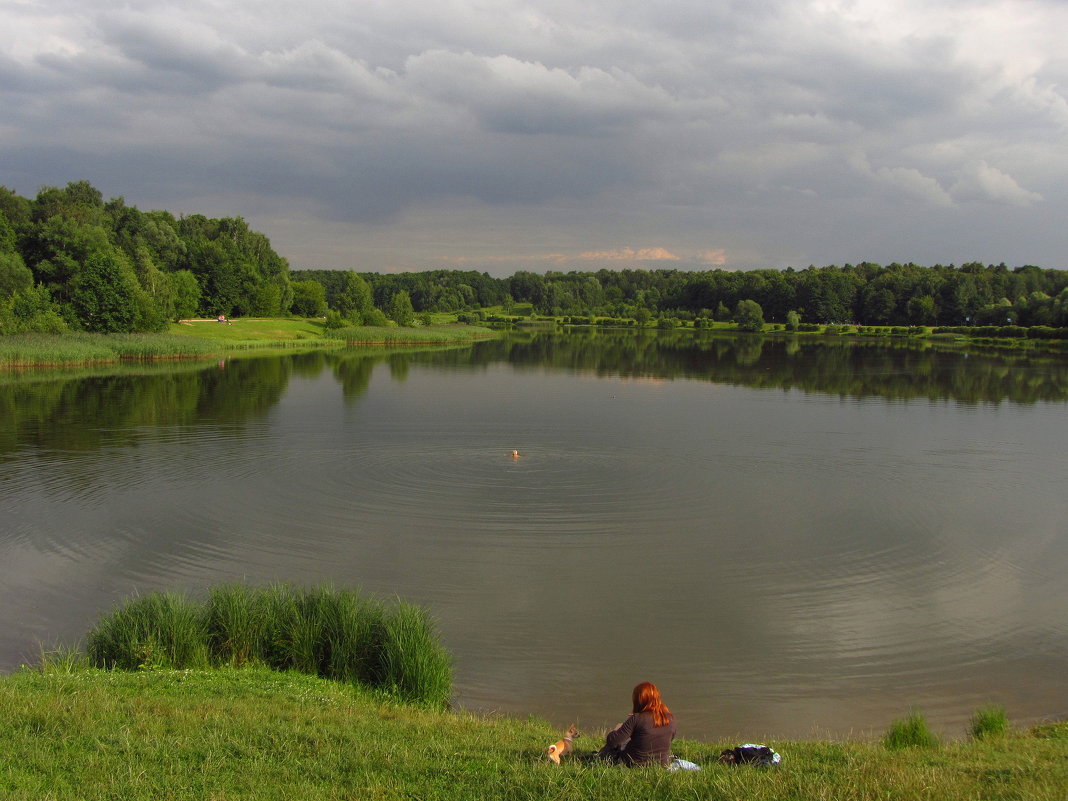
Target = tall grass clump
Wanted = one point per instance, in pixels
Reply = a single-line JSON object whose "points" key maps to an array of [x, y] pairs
{"points": [[911, 732], [159, 346], [399, 335], [62, 660], [354, 634], [335, 634], [414, 666], [989, 721], [161, 630], [19, 350], [236, 624]]}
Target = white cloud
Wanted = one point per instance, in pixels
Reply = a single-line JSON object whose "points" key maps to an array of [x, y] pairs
{"points": [[913, 182], [980, 181], [908, 180], [681, 122], [513, 96]]}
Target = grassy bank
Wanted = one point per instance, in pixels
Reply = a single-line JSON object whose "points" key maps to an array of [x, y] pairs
{"points": [[34, 350], [431, 335], [193, 339], [278, 692], [250, 332], [258, 734], [336, 634]]}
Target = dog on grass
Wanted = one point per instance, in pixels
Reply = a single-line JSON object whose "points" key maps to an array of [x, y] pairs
{"points": [[564, 746]]}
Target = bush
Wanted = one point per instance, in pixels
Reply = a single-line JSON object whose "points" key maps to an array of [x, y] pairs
{"points": [[161, 630], [912, 732], [989, 721], [339, 635], [334, 320], [413, 665], [1046, 332], [375, 317], [1012, 331]]}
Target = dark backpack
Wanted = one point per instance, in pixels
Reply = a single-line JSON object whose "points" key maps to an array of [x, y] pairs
{"points": [[749, 754]]}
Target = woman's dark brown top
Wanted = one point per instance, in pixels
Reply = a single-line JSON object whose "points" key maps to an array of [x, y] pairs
{"points": [[641, 742]]}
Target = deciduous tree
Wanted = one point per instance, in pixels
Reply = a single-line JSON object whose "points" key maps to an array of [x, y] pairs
{"points": [[749, 315]]}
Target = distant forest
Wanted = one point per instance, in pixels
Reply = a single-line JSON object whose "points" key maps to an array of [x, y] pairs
{"points": [[71, 261]]}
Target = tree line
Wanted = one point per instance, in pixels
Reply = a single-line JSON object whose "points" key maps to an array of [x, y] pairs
{"points": [[69, 260], [861, 294]]}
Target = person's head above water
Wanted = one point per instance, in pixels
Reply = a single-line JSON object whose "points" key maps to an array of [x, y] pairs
{"points": [[646, 698]]}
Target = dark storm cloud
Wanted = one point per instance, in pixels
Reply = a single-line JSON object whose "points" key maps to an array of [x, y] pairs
{"points": [[779, 131]]}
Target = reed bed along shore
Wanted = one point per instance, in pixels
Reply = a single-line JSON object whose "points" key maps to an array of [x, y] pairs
{"points": [[71, 732], [335, 634], [206, 339], [29, 350], [434, 334]]}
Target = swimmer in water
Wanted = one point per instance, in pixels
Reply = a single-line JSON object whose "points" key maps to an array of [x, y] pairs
{"points": [[515, 454]]}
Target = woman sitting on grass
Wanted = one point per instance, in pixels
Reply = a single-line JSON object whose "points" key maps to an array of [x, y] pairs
{"points": [[644, 738]]}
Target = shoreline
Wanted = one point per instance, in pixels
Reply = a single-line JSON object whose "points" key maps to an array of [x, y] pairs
{"points": [[79, 349], [238, 733]]}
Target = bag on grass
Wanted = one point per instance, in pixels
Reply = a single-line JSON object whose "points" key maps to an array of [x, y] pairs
{"points": [[750, 754]]}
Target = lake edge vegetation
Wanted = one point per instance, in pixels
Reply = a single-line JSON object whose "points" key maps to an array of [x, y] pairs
{"points": [[336, 634], [204, 341], [71, 261], [72, 731], [280, 691]]}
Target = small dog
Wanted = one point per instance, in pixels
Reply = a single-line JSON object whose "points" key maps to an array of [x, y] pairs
{"points": [[564, 746]]}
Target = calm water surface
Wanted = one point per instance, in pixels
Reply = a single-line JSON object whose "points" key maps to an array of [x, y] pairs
{"points": [[788, 538]]}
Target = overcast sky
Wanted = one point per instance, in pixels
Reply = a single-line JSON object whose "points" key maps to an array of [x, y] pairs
{"points": [[500, 135]]}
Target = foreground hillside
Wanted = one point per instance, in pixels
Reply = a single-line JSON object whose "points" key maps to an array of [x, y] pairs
{"points": [[258, 734]]}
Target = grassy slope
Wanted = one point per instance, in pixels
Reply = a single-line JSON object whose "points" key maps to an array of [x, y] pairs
{"points": [[263, 331], [251, 328], [255, 734]]}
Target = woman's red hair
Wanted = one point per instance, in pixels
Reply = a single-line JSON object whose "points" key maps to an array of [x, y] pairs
{"points": [[647, 699]]}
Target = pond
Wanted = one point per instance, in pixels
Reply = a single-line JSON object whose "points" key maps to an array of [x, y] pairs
{"points": [[791, 538]]}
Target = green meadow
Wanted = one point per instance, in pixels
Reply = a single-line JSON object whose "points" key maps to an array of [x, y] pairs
{"points": [[253, 733], [281, 692]]}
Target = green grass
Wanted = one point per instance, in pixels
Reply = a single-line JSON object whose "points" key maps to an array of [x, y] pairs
{"points": [[207, 338], [433, 334], [24, 350], [252, 733], [989, 721], [250, 329], [910, 732], [336, 634]]}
